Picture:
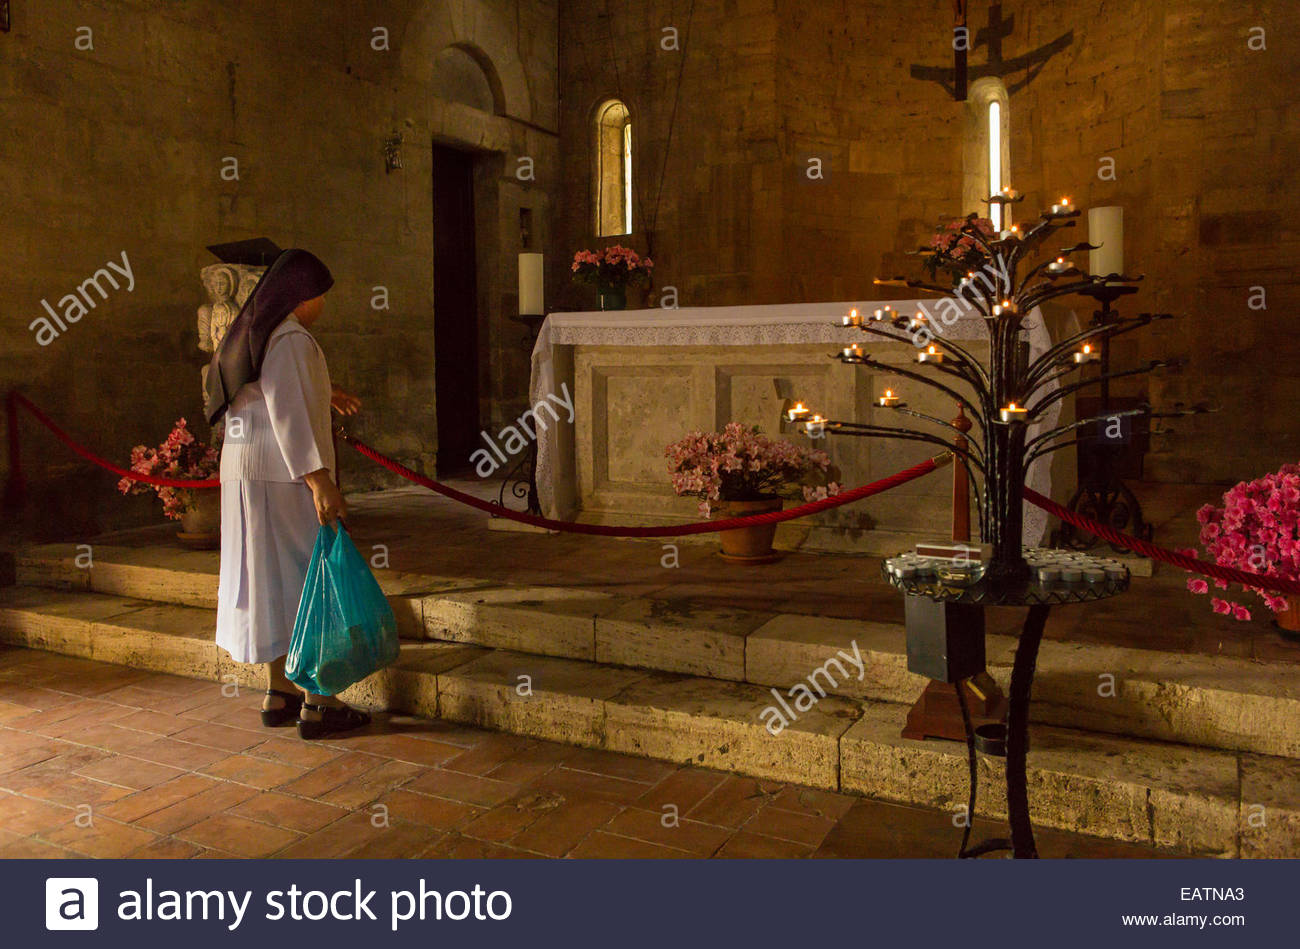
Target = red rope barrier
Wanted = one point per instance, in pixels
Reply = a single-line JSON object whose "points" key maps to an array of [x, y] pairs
{"points": [[1256, 581], [16, 399], [708, 527]]}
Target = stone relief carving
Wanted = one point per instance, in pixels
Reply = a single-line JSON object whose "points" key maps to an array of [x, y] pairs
{"points": [[227, 287]]}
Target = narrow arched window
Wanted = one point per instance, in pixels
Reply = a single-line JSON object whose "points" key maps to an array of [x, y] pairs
{"points": [[995, 161], [987, 150], [613, 178]]}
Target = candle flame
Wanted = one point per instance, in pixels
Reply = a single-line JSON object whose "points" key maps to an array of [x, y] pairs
{"points": [[932, 351], [1087, 348], [1011, 407], [889, 393]]}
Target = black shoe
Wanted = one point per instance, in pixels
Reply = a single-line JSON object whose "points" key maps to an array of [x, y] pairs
{"points": [[286, 713], [333, 719]]}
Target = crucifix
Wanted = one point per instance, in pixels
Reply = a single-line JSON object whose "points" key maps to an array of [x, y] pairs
{"points": [[956, 79], [960, 44]]}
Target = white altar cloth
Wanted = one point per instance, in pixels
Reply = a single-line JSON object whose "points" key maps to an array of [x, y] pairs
{"points": [[770, 325]]}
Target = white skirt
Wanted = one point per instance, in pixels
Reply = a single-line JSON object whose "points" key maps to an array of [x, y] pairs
{"points": [[268, 530]]}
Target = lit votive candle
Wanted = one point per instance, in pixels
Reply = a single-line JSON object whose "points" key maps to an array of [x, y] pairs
{"points": [[1087, 354], [1062, 207], [1010, 192], [815, 425], [918, 321], [854, 318], [889, 399], [796, 412], [1059, 265], [852, 352], [930, 354], [1013, 413], [884, 313], [1013, 231], [1006, 306]]}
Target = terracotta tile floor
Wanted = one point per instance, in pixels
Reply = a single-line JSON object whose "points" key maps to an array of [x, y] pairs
{"points": [[104, 761]]}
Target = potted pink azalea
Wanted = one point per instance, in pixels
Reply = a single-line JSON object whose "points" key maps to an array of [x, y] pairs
{"points": [[181, 458], [611, 272], [1256, 529], [739, 472]]}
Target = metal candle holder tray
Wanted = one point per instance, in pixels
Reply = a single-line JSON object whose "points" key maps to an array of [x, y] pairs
{"points": [[1056, 576]]}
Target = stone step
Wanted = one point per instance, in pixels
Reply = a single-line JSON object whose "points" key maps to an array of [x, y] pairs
{"points": [[1197, 800], [1207, 701]]}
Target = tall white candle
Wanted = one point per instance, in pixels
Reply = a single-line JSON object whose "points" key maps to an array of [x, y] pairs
{"points": [[1106, 227], [531, 285]]}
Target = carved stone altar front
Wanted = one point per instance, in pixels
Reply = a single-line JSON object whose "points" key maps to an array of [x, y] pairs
{"points": [[642, 379]]}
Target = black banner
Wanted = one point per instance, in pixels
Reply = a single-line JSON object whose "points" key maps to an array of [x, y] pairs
{"points": [[628, 903]]}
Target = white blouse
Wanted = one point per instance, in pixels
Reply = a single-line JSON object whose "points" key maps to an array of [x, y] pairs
{"points": [[278, 428]]}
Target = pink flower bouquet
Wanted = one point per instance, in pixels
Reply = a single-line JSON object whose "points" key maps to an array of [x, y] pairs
{"points": [[1257, 529], [614, 267], [741, 464], [953, 249], [181, 457]]}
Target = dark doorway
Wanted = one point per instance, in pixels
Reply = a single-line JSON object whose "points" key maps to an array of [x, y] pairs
{"points": [[455, 309]]}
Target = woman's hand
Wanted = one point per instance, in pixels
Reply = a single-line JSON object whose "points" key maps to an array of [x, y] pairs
{"points": [[330, 505], [345, 403]]}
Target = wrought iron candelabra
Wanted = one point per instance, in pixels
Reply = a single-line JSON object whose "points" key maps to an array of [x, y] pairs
{"points": [[1007, 394], [995, 275]]}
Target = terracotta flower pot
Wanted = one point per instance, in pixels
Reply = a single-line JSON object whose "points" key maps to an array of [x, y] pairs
{"points": [[748, 544], [1288, 621], [201, 524]]}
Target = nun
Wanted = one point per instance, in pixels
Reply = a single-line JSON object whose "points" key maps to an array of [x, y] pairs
{"points": [[269, 382]]}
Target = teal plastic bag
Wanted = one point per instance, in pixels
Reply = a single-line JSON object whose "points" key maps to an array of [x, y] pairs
{"points": [[345, 630]]}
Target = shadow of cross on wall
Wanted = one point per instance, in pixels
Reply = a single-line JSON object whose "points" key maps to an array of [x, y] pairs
{"points": [[992, 37]]}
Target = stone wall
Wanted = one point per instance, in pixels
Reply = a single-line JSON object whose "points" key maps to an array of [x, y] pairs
{"points": [[1200, 127], [119, 147], [716, 219]]}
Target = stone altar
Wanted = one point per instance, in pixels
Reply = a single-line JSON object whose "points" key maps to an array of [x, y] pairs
{"points": [[643, 378]]}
